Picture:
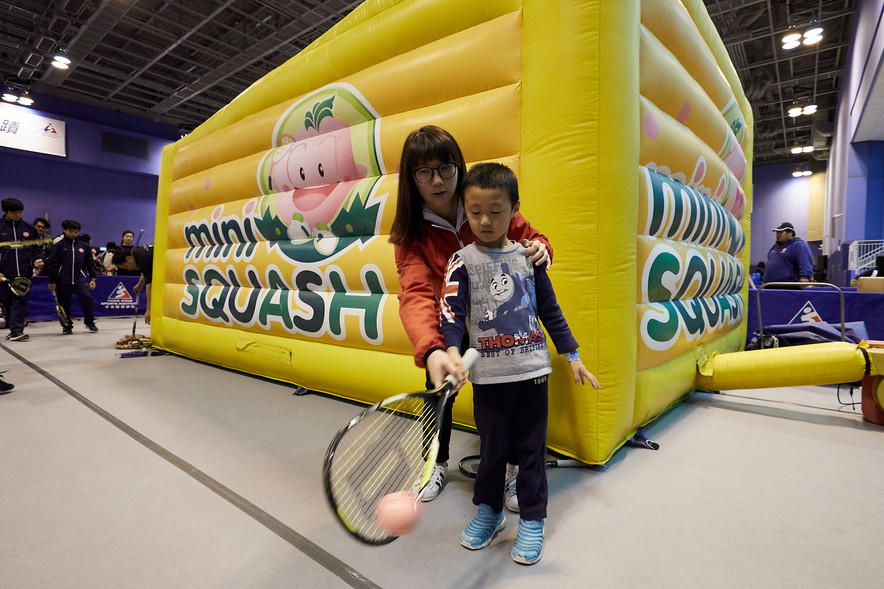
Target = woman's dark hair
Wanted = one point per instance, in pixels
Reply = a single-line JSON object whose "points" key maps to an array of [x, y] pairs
{"points": [[421, 146]]}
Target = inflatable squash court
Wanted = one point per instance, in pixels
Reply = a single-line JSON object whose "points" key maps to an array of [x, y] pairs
{"points": [[631, 137]]}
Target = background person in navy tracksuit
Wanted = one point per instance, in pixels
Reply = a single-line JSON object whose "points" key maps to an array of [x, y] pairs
{"points": [[71, 270], [16, 262]]}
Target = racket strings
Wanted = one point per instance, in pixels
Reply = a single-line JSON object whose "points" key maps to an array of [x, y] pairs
{"points": [[389, 443], [378, 463], [387, 472], [387, 454]]}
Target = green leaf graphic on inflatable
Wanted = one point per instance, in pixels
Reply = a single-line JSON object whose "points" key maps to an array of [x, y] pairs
{"points": [[319, 111], [356, 223]]}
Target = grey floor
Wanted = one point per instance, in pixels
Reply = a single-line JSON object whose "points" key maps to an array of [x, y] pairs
{"points": [[164, 472]]}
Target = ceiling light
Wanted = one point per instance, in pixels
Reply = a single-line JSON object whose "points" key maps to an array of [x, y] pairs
{"points": [[61, 60], [807, 149], [797, 149], [811, 36], [806, 173], [792, 40], [797, 111], [797, 174], [814, 35], [25, 99]]}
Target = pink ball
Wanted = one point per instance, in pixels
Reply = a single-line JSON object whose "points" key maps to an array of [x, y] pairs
{"points": [[398, 513]]}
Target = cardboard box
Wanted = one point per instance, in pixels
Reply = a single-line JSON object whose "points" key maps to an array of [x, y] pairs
{"points": [[869, 284]]}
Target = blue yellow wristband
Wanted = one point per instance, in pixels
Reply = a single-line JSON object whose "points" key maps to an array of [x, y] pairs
{"points": [[571, 356]]}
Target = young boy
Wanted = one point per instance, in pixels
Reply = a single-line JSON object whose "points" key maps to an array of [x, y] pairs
{"points": [[494, 291], [71, 270]]}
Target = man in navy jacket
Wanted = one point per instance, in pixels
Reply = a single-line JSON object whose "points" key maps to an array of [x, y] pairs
{"points": [[71, 270], [16, 262], [789, 260]]}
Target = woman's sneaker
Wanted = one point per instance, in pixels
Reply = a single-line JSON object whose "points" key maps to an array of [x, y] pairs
{"points": [[481, 531], [529, 542], [436, 482], [510, 499]]}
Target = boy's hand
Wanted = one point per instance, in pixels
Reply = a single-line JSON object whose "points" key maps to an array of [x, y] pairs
{"points": [[537, 252], [457, 364], [580, 373]]}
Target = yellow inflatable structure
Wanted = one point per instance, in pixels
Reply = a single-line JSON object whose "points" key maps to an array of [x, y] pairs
{"points": [[630, 134]]}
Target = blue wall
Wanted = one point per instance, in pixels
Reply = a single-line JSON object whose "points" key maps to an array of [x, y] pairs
{"points": [[777, 197], [855, 188], [871, 155], [106, 192]]}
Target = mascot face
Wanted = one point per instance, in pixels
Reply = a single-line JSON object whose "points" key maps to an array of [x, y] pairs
{"points": [[318, 181], [502, 288]]}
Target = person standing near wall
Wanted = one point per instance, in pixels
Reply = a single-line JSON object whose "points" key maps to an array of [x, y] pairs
{"points": [[126, 240], [71, 270], [16, 262], [42, 226], [789, 259]]}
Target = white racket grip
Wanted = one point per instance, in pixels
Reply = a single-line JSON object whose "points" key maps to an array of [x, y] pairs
{"points": [[469, 358]]}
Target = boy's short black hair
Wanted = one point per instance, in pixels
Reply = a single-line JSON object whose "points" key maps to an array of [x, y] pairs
{"points": [[70, 224], [120, 255], [42, 220], [491, 175], [123, 234], [10, 205]]}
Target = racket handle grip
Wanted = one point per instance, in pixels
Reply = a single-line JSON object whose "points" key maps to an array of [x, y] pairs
{"points": [[469, 358]]}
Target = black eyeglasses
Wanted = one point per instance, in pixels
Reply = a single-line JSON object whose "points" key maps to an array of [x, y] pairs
{"points": [[424, 175]]}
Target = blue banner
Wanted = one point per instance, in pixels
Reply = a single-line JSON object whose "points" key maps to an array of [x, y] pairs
{"points": [[113, 296], [808, 305]]}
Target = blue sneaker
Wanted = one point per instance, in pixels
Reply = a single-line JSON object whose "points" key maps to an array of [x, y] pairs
{"points": [[481, 531], [529, 542]]}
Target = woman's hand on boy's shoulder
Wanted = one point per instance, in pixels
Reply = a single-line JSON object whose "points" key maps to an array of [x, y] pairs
{"points": [[537, 252]]}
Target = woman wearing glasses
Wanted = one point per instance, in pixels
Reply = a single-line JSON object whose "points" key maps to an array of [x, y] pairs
{"points": [[429, 226]]}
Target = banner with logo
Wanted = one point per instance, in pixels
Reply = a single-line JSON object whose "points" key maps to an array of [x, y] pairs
{"points": [[24, 128], [113, 296]]}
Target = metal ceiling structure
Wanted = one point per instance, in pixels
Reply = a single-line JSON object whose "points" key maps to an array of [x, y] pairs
{"points": [[776, 79], [179, 62], [167, 60]]}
